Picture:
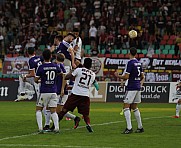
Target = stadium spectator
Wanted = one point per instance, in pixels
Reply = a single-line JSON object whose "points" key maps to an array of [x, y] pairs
{"points": [[93, 35], [1, 43], [102, 40], [177, 44], [94, 51]]}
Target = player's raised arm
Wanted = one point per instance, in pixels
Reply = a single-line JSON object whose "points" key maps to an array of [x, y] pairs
{"points": [[71, 51]]}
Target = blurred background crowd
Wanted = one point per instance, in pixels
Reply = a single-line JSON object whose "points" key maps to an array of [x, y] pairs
{"points": [[25, 23], [103, 25]]}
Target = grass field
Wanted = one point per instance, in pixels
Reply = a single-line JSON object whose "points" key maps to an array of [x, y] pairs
{"points": [[18, 128]]}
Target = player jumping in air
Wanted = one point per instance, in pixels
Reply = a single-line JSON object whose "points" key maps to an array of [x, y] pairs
{"points": [[33, 63]]}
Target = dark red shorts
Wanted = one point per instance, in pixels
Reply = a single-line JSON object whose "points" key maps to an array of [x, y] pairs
{"points": [[81, 102]]}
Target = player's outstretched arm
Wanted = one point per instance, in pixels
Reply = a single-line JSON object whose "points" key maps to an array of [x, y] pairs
{"points": [[36, 79], [69, 75], [96, 85]]}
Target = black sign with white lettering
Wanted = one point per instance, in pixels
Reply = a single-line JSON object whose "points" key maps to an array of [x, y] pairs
{"points": [[176, 76], [147, 63], [8, 90], [157, 77], [150, 92]]}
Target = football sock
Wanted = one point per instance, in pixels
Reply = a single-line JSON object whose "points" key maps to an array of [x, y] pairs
{"points": [[55, 120], [138, 118], [178, 108], [127, 115], [69, 115], [21, 85], [47, 117], [44, 111], [86, 119], [39, 119]]}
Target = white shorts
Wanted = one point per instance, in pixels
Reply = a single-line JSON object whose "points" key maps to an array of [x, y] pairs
{"points": [[132, 97], [62, 100], [30, 80], [68, 65], [47, 100]]}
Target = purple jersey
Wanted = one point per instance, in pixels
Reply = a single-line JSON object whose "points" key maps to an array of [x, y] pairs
{"points": [[63, 48], [34, 62], [59, 80], [48, 74], [134, 70]]}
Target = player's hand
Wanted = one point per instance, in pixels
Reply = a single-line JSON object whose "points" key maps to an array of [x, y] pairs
{"points": [[62, 93], [73, 65], [116, 74]]}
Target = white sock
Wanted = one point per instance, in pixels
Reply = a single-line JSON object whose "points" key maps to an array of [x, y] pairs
{"points": [[138, 118], [55, 120], [39, 119], [47, 117], [127, 115], [178, 108], [21, 85], [69, 115]]}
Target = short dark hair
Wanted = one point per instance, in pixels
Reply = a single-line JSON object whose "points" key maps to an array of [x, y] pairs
{"points": [[60, 57], [47, 54], [72, 34], [133, 51], [31, 50], [88, 63], [59, 37]]}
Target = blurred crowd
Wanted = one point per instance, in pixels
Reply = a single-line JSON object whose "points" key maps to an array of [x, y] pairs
{"points": [[31, 23]]}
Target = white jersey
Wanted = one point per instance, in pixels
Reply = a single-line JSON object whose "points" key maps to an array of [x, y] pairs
{"points": [[83, 80], [77, 42]]}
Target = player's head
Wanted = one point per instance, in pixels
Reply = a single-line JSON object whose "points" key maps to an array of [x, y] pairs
{"points": [[87, 63], [47, 55], [60, 57], [31, 51], [58, 39], [133, 51], [70, 37]]}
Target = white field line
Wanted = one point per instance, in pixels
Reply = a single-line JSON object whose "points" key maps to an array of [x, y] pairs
{"points": [[54, 146], [101, 124]]}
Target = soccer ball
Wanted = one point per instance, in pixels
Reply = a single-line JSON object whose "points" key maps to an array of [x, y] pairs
{"points": [[132, 34]]}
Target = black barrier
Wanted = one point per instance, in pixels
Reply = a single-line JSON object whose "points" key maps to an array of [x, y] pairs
{"points": [[151, 92], [8, 90]]}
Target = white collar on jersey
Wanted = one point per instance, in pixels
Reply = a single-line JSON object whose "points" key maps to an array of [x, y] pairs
{"points": [[32, 56]]}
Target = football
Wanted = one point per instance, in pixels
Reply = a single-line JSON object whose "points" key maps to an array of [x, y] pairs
{"points": [[132, 34]]}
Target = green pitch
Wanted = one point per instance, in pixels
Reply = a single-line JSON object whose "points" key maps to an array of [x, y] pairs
{"points": [[18, 128]]}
